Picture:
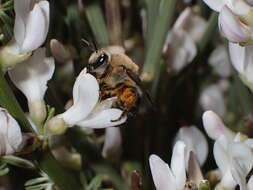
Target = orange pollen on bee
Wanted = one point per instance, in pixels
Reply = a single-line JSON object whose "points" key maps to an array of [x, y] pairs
{"points": [[128, 96]]}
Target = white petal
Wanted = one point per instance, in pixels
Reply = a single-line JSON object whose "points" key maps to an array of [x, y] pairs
{"points": [[161, 173], [191, 23], [214, 126], [250, 183], [183, 49], [14, 133], [103, 119], [239, 7], [103, 105], [31, 76], [178, 164], [221, 155], [22, 9], [112, 145], [249, 143], [85, 97], [219, 60], [10, 132], [195, 141], [232, 28], [19, 30], [211, 98], [239, 174], [242, 60], [237, 56], [228, 181], [216, 5], [36, 27], [243, 155]]}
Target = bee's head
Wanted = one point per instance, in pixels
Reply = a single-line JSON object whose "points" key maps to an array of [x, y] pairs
{"points": [[98, 62]]}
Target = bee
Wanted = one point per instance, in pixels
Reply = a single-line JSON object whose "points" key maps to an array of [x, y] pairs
{"points": [[118, 77]]}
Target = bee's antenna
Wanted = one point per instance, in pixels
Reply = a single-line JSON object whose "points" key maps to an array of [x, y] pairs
{"points": [[91, 47], [95, 45]]}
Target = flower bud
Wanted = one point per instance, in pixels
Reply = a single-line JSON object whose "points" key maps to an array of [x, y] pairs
{"points": [[204, 185], [11, 139], [55, 126], [67, 158], [213, 176], [37, 111], [59, 51]]}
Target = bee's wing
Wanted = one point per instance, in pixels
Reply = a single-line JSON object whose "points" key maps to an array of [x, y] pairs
{"points": [[138, 81]]}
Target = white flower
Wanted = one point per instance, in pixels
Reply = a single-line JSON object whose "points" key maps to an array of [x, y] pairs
{"points": [[173, 177], [211, 98], [235, 19], [30, 31], [31, 77], [242, 60], [87, 111], [181, 40], [233, 152], [10, 134], [195, 141], [235, 160], [112, 145], [219, 60], [31, 23], [235, 23]]}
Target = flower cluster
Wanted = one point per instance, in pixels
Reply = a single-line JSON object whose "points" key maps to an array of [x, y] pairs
{"points": [[233, 154], [235, 24]]}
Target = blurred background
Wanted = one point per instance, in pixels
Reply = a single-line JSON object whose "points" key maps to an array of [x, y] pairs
{"points": [[184, 65]]}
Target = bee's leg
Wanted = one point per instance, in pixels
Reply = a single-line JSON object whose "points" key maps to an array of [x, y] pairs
{"points": [[127, 100]]}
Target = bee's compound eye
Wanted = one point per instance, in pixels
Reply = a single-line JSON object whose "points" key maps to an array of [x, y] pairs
{"points": [[103, 58]]}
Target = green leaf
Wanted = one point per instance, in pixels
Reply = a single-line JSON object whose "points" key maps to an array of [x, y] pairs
{"points": [[152, 7], [4, 171], [17, 161], [5, 18], [50, 113], [7, 5], [95, 183], [97, 23], [36, 181]]}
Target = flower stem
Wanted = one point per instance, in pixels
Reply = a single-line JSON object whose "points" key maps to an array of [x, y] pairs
{"points": [[211, 27], [155, 45]]}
